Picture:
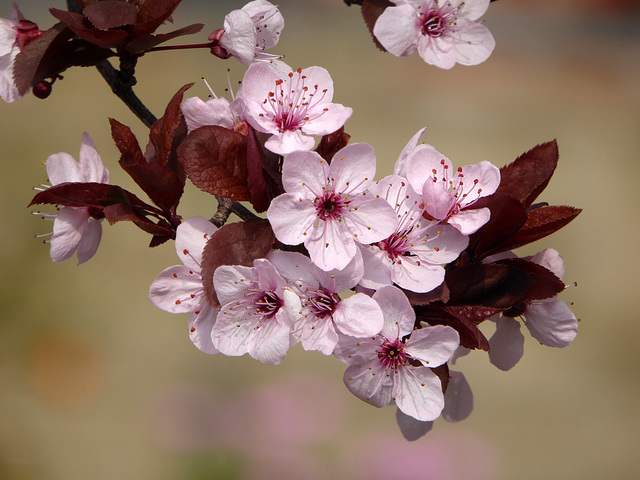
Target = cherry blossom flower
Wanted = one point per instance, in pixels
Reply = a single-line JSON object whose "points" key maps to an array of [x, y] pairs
{"points": [[250, 31], [323, 313], [326, 206], [389, 368], [443, 32], [289, 105], [449, 196], [549, 321], [414, 254], [215, 111], [74, 229], [15, 33], [254, 316], [179, 289]]}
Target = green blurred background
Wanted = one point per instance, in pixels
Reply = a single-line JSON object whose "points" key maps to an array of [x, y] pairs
{"points": [[97, 383]]}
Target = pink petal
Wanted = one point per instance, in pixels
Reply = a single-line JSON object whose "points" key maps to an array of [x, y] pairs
{"points": [[472, 9], [370, 385], [421, 163], [291, 219], [353, 168], [289, 141], [397, 29], [437, 200], [470, 221], [370, 220], [270, 20], [399, 316], [68, 228], [231, 282], [191, 237], [200, 326], [477, 43], [506, 346], [90, 240], [62, 167], [231, 333], [434, 345], [358, 316], [444, 247], [319, 335], [338, 281], [552, 323], [271, 339], [377, 267], [239, 38], [172, 290], [212, 112], [488, 176], [304, 174], [437, 51], [417, 278], [418, 393], [551, 260], [90, 162], [330, 246], [327, 121], [400, 168]]}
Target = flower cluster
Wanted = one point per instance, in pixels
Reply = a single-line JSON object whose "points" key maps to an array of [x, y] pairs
{"points": [[390, 276]]}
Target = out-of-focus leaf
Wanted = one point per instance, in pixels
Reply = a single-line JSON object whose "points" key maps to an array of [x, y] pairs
{"points": [[109, 14], [470, 336], [83, 29], [145, 42], [152, 14], [330, 144]]}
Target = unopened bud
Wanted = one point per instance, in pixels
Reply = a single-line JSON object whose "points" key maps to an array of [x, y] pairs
{"points": [[42, 89], [215, 46], [27, 31]]}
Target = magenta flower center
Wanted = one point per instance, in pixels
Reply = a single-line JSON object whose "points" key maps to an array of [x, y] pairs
{"points": [[458, 188], [331, 206], [436, 21], [391, 354], [292, 103], [268, 303], [322, 304]]}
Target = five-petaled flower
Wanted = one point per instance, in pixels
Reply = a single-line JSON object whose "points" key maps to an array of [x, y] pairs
{"points": [[414, 255], [179, 289], [74, 229], [326, 206], [449, 196], [443, 32], [290, 105], [323, 313], [390, 368], [254, 316]]}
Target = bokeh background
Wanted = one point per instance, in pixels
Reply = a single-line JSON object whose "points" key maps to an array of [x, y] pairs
{"points": [[95, 382]]}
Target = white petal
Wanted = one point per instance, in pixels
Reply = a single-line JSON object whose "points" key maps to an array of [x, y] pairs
{"points": [[231, 282], [291, 218], [90, 240], [330, 246], [201, 323], [374, 386], [399, 317], [358, 316], [477, 44], [400, 168], [289, 141], [62, 167], [239, 38], [90, 162], [434, 345], [470, 221], [172, 290], [68, 228], [397, 30], [191, 237], [270, 339], [418, 393], [551, 260], [552, 323]]}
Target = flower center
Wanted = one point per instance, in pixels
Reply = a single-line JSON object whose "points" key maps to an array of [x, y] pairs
{"points": [[330, 206], [268, 304], [291, 103], [436, 21], [322, 304], [391, 354]]}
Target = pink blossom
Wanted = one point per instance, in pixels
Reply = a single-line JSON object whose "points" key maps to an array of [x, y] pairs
{"points": [[549, 321], [322, 313], [74, 230], [254, 316], [449, 196], [12, 31], [414, 255], [250, 31], [290, 105], [444, 33], [215, 111], [327, 208], [389, 368], [179, 289]]}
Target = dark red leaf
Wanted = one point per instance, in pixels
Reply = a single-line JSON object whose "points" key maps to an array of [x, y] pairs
{"points": [[470, 336], [83, 29], [31, 60], [145, 42], [526, 177], [215, 159], [169, 131], [109, 14], [234, 244], [541, 222], [508, 215], [371, 10], [544, 283], [256, 176], [330, 144], [490, 285], [152, 14]]}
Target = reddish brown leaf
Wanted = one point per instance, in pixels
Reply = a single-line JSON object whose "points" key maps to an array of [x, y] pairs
{"points": [[32, 58], [145, 42], [330, 144], [526, 177], [110, 14], [215, 159], [544, 283], [470, 336], [508, 215], [541, 222], [169, 131], [152, 14], [83, 29], [234, 244], [256, 177]]}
